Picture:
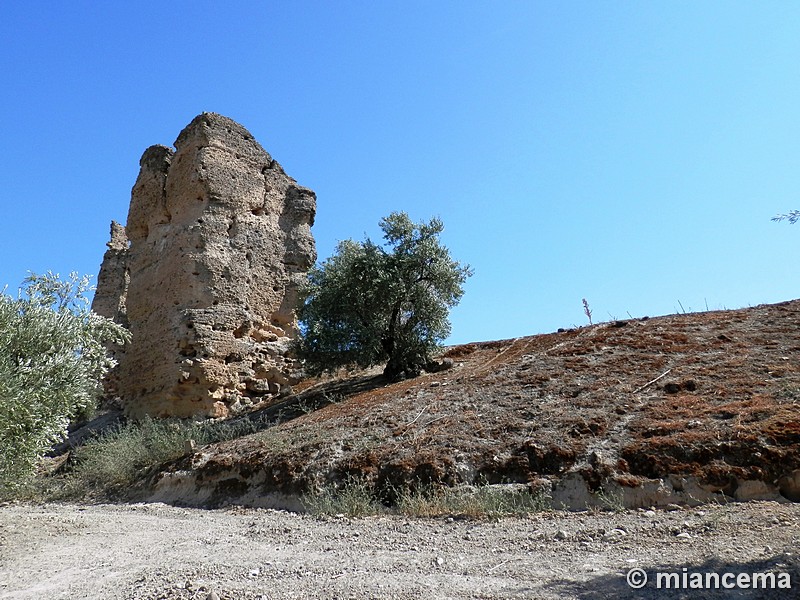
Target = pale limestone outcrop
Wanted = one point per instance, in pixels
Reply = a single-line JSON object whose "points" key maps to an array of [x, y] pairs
{"points": [[219, 243]]}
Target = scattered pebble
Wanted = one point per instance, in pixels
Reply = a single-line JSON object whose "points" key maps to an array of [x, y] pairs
{"points": [[614, 534]]}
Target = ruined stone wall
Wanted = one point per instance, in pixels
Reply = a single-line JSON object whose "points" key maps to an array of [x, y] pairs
{"points": [[219, 243]]}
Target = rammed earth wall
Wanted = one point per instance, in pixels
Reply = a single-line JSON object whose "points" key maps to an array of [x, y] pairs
{"points": [[206, 274]]}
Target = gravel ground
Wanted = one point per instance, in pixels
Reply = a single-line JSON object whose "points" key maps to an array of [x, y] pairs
{"points": [[156, 551]]}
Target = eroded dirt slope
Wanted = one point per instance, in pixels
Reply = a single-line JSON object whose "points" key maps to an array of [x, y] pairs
{"points": [[678, 408]]}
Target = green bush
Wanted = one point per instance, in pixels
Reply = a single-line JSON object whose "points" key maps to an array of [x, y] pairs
{"points": [[53, 355], [354, 498], [370, 304], [123, 455]]}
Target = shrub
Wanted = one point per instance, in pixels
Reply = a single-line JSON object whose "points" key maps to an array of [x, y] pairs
{"points": [[371, 303], [52, 360], [123, 455]]}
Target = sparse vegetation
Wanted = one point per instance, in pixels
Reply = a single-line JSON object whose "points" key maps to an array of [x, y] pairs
{"points": [[354, 498], [358, 498], [52, 359], [484, 501], [123, 455], [587, 311], [372, 303], [611, 498]]}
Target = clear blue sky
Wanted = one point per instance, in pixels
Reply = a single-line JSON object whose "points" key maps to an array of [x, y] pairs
{"points": [[629, 153]]}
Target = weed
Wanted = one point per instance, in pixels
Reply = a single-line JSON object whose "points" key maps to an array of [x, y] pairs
{"points": [[354, 498], [358, 498], [611, 499], [485, 501], [123, 455], [587, 311]]}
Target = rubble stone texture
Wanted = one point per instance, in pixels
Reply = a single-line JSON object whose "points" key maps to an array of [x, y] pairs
{"points": [[206, 274]]}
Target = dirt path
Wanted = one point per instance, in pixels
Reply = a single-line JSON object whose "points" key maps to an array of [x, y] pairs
{"points": [[155, 551]]}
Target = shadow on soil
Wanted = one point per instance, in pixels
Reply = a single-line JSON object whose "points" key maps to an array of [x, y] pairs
{"points": [[614, 585]]}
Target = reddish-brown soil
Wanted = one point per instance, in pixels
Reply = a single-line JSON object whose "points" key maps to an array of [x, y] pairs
{"points": [[714, 396]]}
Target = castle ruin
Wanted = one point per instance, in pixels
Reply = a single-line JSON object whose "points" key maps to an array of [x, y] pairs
{"points": [[206, 275]]}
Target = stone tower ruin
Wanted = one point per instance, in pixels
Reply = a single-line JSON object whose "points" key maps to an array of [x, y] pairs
{"points": [[206, 275]]}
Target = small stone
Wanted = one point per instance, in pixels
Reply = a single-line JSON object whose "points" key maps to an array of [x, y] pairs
{"points": [[650, 514], [562, 535], [673, 507], [614, 534], [439, 561], [213, 596], [684, 536]]}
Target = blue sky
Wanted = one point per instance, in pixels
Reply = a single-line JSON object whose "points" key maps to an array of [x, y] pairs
{"points": [[629, 153]]}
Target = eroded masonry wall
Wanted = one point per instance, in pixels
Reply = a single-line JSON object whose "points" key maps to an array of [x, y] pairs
{"points": [[217, 243]]}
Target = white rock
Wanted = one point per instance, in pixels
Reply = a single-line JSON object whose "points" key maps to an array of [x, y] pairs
{"points": [[614, 534]]}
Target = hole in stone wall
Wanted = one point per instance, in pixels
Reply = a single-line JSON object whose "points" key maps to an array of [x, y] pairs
{"points": [[258, 211]]}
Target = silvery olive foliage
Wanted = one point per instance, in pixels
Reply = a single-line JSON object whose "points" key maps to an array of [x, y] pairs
{"points": [[381, 303], [793, 216], [53, 355]]}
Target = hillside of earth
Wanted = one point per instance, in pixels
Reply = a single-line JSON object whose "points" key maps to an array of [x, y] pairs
{"points": [[681, 416], [685, 409]]}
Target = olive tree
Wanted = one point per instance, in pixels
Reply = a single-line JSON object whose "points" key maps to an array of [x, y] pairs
{"points": [[381, 303], [52, 359]]}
